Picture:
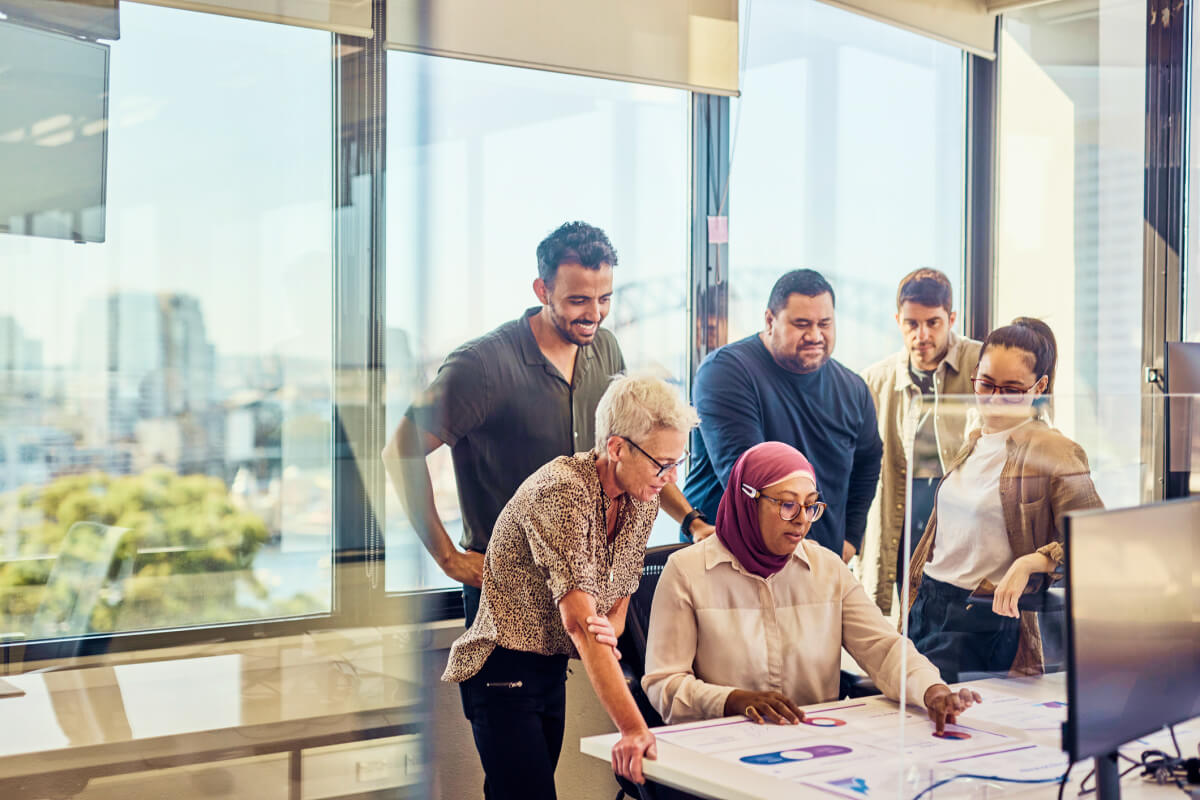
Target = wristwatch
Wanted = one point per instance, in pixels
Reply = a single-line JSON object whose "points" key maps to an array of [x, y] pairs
{"points": [[685, 527]]}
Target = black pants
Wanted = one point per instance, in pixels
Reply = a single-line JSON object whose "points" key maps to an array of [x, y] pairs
{"points": [[517, 708], [958, 639], [920, 507]]}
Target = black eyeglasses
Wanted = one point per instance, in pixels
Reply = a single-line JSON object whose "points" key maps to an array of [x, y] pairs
{"points": [[788, 509], [985, 387], [662, 468]]}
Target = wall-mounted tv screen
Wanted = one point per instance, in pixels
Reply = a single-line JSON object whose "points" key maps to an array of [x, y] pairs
{"points": [[53, 134]]}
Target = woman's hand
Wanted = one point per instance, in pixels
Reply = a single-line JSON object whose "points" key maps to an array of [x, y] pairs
{"points": [[1008, 591], [628, 752], [602, 628], [762, 707], [944, 705]]}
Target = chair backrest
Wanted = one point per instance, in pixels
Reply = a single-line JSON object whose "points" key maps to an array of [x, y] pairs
{"points": [[632, 643], [637, 620], [77, 580]]}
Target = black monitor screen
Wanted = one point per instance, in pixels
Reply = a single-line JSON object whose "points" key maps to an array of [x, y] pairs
{"points": [[1133, 628], [53, 134]]}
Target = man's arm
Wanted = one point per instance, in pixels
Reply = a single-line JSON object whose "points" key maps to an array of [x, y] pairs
{"points": [[404, 459], [672, 501], [864, 476], [600, 662], [730, 413]]}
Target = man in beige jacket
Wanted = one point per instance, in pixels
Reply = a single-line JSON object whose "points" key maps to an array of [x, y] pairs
{"points": [[909, 388]]}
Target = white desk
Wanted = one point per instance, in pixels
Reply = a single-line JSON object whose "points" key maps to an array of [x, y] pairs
{"points": [[726, 779]]}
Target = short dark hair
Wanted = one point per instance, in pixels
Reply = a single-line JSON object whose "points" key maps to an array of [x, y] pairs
{"points": [[574, 242], [807, 282], [1035, 338], [926, 287]]}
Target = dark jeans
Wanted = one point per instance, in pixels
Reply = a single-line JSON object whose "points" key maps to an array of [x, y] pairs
{"points": [[920, 506], [958, 639], [471, 597], [516, 705]]}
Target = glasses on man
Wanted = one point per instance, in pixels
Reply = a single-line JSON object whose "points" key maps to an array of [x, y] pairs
{"points": [[662, 467], [1007, 392], [788, 509]]}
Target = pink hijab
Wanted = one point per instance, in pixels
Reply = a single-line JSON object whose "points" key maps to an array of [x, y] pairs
{"points": [[737, 516]]}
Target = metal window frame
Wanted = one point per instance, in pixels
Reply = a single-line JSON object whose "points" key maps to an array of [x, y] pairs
{"points": [[708, 265], [982, 88], [1167, 60]]}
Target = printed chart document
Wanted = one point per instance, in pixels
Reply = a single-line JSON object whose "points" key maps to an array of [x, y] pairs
{"points": [[861, 733], [1030, 716]]}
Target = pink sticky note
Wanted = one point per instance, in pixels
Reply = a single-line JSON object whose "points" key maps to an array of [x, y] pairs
{"points": [[718, 230]]}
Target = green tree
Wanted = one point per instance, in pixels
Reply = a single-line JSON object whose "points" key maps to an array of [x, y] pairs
{"points": [[187, 551]]}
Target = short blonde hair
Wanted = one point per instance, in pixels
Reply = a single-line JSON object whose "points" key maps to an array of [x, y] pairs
{"points": [[636, 405]]}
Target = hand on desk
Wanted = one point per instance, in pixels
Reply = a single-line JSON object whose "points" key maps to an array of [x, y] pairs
{"points": [[762, 707], [628, 752], [944, 705]]}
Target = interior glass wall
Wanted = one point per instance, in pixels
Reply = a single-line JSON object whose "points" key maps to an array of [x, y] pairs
{"points": [[485, 161], [1070, 206]]}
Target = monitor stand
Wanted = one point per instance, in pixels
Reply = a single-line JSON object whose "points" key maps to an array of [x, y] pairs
{"points": [[1108, 777]]}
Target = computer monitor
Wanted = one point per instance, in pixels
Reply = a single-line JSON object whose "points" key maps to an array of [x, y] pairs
{"points": [[1183, 417], [1133, 627]]}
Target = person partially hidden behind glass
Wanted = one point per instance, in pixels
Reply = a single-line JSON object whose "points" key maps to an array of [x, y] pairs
{"points": [[998, 515], [752, 621]]}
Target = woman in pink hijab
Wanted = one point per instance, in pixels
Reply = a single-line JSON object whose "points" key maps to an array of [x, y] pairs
{"points": [[752, 621]]}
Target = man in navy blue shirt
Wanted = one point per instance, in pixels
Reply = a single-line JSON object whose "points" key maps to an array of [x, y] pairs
{"points": [[783, 385]]}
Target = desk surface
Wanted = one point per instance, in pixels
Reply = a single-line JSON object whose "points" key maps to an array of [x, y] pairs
{"points": [[162, 713], [724, 776]]}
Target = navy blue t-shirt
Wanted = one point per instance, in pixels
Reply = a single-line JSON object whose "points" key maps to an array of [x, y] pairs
{"points": [[745, 398]]}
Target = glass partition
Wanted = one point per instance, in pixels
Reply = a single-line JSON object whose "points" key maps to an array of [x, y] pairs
{"points": [[484, 162], [983, 593], [848, 158]]}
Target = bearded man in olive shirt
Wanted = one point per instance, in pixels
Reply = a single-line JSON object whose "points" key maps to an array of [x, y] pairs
{"points": [[510, 401]]}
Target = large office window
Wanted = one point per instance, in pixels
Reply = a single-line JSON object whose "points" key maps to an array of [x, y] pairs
{"points": [[849, 159], [165, 400], [1070, 177], [483, 162]]}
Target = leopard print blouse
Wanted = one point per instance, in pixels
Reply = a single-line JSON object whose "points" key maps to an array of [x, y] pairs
{"points": [[550, 539]]}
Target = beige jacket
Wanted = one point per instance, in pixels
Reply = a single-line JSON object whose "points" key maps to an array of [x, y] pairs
{"points": [[1045, 475], [898, 406]]}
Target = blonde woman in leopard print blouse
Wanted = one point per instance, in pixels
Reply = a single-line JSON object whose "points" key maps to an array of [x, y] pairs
{"points": [[565, 556]]}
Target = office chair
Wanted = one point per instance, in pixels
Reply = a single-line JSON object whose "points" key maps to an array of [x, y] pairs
{"points": [[1048, 600], [632, 645], [77, 580]]}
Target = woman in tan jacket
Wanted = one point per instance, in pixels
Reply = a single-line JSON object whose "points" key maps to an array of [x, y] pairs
{"points": [[997, 519]]}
